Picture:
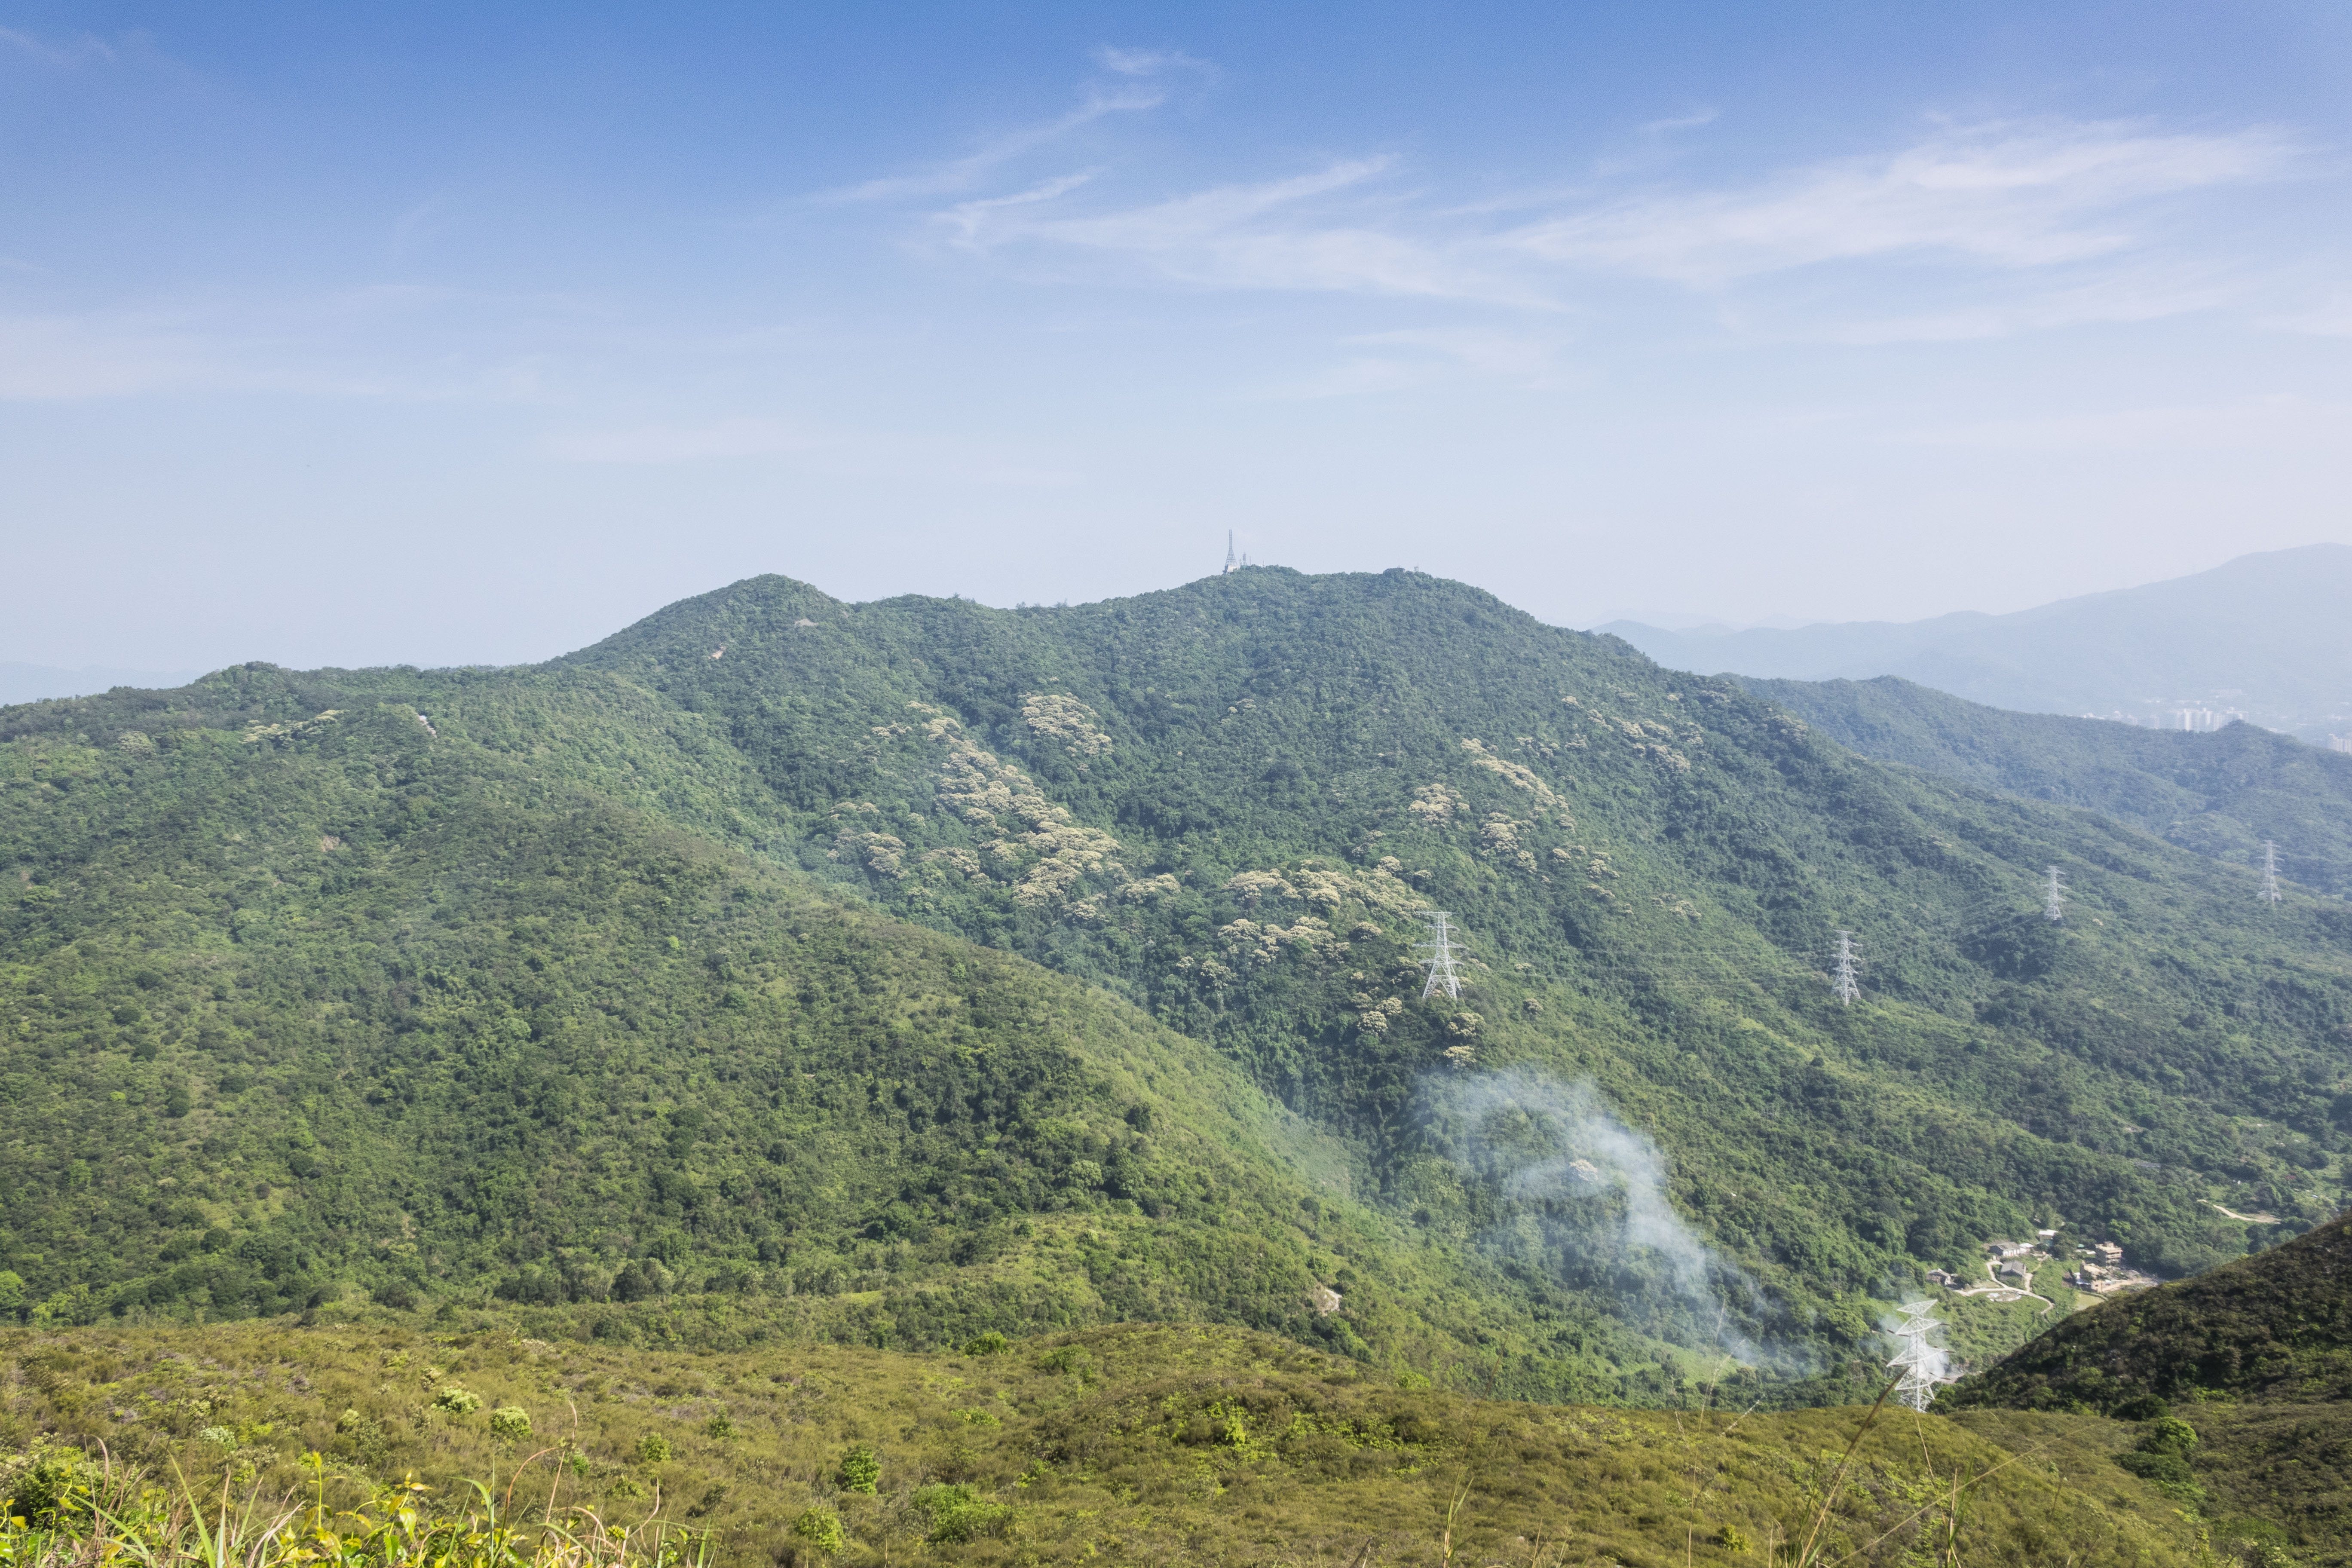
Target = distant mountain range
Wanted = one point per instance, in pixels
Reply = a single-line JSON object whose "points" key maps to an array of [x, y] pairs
{"points": [[39, 682], [2222, 794], [2264, 637]]}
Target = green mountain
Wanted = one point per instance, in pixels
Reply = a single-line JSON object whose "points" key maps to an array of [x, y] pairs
{"points": [[2261, 636], [918, 967], [2243, 1376], [2219, 792]]}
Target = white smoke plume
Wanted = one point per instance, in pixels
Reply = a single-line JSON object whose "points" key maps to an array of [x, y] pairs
{"points": [[1570, 1187]]}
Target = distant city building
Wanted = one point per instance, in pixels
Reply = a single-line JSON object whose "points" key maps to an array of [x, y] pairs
{"points": [[2339, 743]]}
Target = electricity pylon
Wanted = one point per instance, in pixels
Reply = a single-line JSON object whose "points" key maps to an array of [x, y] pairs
{"points": [[2270, 872], [2054, 895], [1842, 982], [1441, 953], [1920, 1362], [1230, 563]]}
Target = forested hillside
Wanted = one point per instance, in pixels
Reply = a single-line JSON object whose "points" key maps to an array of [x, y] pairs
{"points": [[559, 982], [2219, 792]]}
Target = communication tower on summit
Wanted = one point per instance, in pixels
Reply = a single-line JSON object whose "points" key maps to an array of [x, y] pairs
{"points": [[1232, 563], [1441, 953], [1843, 983], [2270, 872], [2054, 895], [1921, 1364]]}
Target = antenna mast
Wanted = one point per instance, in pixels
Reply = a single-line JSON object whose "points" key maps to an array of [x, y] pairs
{"points": [[1442, 955], [1842, 984], [1232, 563], [2270, 872], [2054, 895]]}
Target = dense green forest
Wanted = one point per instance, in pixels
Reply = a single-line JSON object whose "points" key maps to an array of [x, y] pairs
{"points": [[956, 968], [2221, 793]]}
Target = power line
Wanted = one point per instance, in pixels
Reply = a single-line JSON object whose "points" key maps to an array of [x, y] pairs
{"points": [[2054, 895], [1442, 955], [1843, 983]]}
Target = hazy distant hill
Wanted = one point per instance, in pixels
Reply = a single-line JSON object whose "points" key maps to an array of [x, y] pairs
{"points": [[2221, 793], [2265, 636]]}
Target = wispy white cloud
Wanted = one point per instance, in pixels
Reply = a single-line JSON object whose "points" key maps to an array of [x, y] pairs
{"points": [[1146, 75], [82, 49], [2003, 195], [1149, 62], [2066, 202], [1275, 234]]}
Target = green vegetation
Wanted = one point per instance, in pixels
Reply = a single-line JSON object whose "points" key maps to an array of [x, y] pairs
{"points": [[906, 974], [2241, 1380], [1140, 1444], [2274, 1328], [2220, 793]]}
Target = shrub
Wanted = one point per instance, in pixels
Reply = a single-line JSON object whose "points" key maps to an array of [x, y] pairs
{"points": [[861, 1470], [959, 1513], [989, 1343], [653, 1448], [510, 1423], [719, 1428], [821, 1528], [455, 1401], [58, 1488]]}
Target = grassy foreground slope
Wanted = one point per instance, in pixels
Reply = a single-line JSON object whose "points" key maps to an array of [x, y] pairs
{"points": [[1159, 1444], [355, 1004], [2220, 793]]}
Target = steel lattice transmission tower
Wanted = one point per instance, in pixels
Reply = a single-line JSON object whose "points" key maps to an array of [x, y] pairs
{"points": [[1843, 983], [2054, 902], [1921, 1364], [2270, 872], [1232, 563], [1443, 952]]}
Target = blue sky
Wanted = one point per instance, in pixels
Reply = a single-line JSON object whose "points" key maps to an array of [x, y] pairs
{"points": [[370, 333]]}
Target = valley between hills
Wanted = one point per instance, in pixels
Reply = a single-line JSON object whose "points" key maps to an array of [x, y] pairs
{"points": [[812, 1023]]}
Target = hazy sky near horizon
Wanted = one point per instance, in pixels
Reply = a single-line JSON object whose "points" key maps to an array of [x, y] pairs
{"points": [[436, 334]]}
